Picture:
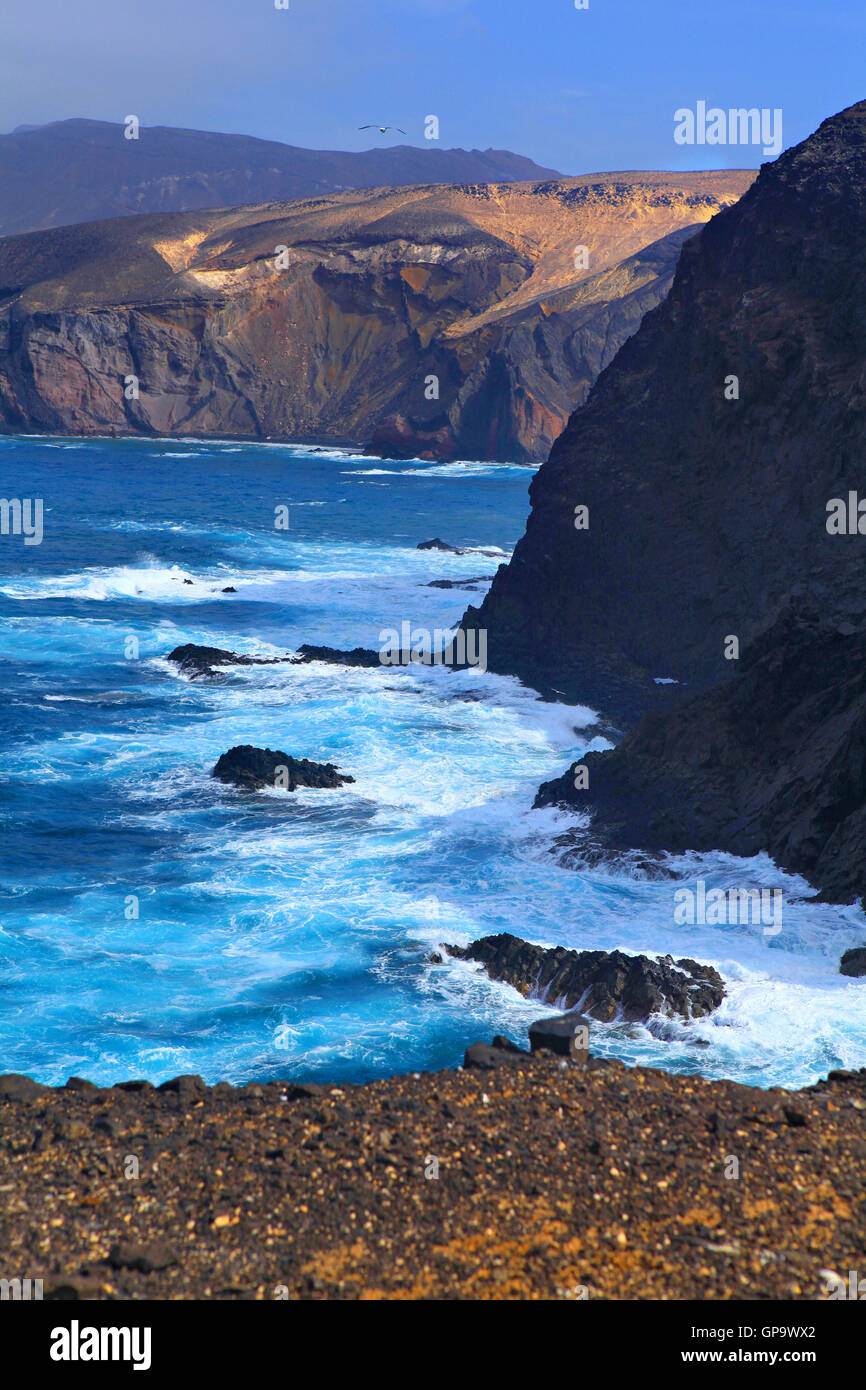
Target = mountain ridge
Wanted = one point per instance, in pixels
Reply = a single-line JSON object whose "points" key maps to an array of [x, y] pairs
{"points": [[80, 170]]}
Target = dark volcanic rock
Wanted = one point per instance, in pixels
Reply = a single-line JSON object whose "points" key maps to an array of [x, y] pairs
{"points": [[706, 513], [854, 962], [604, 984], [491, 1056], [565, 1034], [145, 1258], [774, 761], [358, 656], [194, 661], [708, 522], [460, 583], [254, 768], [16, 1087], [438, 544]]}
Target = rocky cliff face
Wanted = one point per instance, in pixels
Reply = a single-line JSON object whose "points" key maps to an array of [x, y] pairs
{"points": [[724, 547], [707, 453], [775, 760], [449, 322]]}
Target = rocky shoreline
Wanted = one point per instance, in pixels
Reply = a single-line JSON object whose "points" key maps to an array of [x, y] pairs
{"points": [[539, 1179]]}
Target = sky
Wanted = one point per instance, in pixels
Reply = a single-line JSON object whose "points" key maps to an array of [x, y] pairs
{"points": [[578, 90]]}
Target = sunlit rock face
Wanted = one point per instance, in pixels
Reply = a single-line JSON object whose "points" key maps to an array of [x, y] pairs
{"points": [[446, 321]]}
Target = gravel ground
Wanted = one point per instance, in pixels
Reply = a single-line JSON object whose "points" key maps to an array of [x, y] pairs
{"points": [[555, 1180]]}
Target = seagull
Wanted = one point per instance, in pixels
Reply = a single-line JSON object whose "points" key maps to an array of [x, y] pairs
{"points": [[382, 129]]}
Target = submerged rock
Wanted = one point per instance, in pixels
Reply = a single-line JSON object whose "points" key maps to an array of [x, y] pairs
{"points": [[605, 984], [193, 660], [358, 656], [253, 768], [460, 583]]}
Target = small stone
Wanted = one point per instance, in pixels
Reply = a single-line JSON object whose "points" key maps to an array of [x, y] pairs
{"points": [[144, 1258]]}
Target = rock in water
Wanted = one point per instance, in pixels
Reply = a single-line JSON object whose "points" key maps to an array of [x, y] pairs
{"points": [[854, 962], [193, 660], [437, 544], [358, 656], [605, 984], [254, 768]]}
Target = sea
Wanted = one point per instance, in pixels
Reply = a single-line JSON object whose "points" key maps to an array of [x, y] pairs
{"points": [[154, 921]]}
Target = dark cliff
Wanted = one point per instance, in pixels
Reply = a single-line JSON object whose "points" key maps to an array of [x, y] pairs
{"points": [[712, 519], [707, 513]]}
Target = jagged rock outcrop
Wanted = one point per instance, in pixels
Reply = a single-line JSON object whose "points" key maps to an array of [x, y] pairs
{"points": [[707, 514], [358, 656], [775, 761], [252, 769], [193, 660], [443, 321], [604, 984]]}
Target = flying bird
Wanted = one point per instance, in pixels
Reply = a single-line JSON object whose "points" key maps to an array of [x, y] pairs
{"points": [[382, 129]]}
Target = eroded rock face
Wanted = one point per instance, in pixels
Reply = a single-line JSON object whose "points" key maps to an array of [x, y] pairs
{"points": [[439, 321], [708, 589], [252, 768], [775, 760], [605, 985]]}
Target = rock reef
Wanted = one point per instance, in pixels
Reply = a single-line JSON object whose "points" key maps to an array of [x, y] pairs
{"points": [[604, 985], [252, 769]]}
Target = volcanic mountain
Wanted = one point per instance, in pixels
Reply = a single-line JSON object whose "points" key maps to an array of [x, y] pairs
{"points": [[82, 171], [450, 321], [685, 538]]}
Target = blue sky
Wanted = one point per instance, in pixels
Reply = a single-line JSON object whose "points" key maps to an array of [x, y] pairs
{"points": [[579, 90]]}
